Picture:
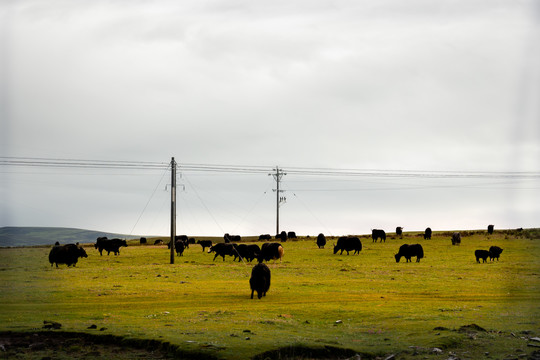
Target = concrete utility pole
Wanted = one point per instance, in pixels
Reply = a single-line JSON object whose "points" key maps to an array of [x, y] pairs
{"points": [[279, 199], [173, 207]]}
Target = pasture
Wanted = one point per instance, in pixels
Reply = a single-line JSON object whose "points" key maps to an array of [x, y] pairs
{"points": [[367, 303]]}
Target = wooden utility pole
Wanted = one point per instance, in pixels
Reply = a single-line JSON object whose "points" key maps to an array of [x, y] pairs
{"points": [[279, 199], [173, 207]]}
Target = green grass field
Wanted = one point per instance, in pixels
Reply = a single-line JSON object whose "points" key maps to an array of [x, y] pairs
{"points": [[367, 303]]}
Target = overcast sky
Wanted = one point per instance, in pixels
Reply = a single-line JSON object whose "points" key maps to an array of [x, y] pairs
{"points": [[383, 84]]}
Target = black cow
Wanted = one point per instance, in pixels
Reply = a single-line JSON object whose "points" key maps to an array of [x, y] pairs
{"points": [[205, 243], [456, 238], [253, 251], [348, 243], [265, 237], [222, 249], [158, 242], [321, 241], [282, 236], [490, 229], [409, 251], [427, 234], [481, 254], [271, 251], [378, 234], [291, 235], [109, 245], [182, 238], [231, 238], [494, 252], [179, 246], [240, 251], [260, 280], [143, 241], [68, 254], [247, 252], [399, 231]]}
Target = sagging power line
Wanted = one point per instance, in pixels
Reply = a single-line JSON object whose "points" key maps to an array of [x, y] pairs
{"points": [[250, 169]]}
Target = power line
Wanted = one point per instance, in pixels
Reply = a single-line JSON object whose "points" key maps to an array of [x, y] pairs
{"points": [[250, 169]]}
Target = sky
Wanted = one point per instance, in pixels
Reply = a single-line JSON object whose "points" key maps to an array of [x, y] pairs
{"points": [[416, 98]]}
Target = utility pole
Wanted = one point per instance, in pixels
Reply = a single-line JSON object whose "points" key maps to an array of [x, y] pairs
{"points": [[279, 199], [173, 207]]}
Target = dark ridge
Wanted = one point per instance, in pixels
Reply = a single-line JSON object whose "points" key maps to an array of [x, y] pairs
{"points": [[471, 327], [24, 340], [307, 352], [35, 236]]}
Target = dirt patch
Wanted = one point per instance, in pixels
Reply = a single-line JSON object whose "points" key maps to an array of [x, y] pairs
{"points": [[307, 352], [59, 345]]}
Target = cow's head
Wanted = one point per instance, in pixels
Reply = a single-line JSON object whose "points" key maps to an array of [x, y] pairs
{"points": [[398, 257]]}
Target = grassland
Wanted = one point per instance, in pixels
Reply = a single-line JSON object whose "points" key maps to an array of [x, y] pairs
{"points": [[367, 303]]}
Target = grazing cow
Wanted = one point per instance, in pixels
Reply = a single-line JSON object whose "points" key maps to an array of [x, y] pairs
{"points": [[182, 238], [158, 242], [271, 251], [109, 245], [282, 236], [494, 253], [179, 247], [409, 251], [231, 238], [205, 243], [68, 254], [456, 238], [427, 234], [378, 234], [490, 229], [247, 252], [291, 235], [265, 237], [222, 249], [143, 241], [253, 251], [481, 254], [348, 243], [260, 280], [321, 241], [240, 251]]}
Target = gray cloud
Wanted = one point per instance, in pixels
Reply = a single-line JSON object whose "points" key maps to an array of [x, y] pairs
{"points": [[372, 84]]}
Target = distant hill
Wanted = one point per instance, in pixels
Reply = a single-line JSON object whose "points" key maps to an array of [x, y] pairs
{"points": [[32, 236]]}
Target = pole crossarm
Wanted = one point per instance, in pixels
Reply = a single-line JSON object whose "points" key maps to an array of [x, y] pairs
{"points": [[173, 208], [279, 199]]}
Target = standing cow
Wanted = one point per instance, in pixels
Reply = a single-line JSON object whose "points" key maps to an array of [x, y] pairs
{"points": [[271, 251], [222, 249], [490, 229], [68, 254], [494, 252], [348, 243], [109, 245], [481, 254], [399, 231], [321, 241], [205, 244], [260, 280], [378, 234], [456, 238], [427, 234], [409, 251]]}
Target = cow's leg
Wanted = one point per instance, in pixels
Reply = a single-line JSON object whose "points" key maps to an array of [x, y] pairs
{"points": [[252, 293]]}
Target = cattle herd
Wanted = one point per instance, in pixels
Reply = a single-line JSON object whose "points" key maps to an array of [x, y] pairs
{"points": [[260, 275]]}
